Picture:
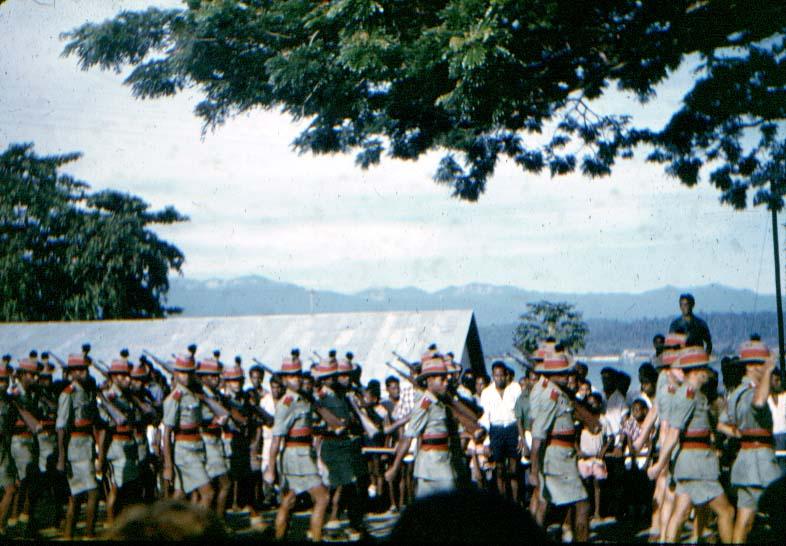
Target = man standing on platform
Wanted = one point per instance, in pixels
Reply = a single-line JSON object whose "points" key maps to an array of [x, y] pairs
{"points": [[694, 327]]}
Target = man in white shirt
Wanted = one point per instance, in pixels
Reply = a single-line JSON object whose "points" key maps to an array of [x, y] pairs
{"points": [[777, 403], [498, 401], [612, 420]]}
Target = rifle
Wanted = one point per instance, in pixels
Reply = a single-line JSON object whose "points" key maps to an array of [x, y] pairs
{"points": [[316, 354], [404, 375], [400, 358], [114, 412], [57, 359], [161, 363], [263, 366], [368, 425], [464, 415], [519, 361], [29, 419]]}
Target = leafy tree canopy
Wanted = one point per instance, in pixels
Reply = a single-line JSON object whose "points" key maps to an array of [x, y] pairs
{"points": [[477, 79], [548, 319], [70, 254]]}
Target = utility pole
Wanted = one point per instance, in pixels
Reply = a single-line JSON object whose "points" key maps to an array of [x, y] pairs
{"points": [[778, 301]]}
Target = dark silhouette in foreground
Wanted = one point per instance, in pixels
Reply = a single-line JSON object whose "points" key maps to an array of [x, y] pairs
{"points": [[466, 516]]}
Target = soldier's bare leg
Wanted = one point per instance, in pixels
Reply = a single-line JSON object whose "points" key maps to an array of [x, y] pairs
{"points": [[223, 484], [581, 514], [5, 505], [206, 497], [334, 502], [743, 524], [74, 504], [725, 512], [657, 502], [666, 510], [110, 504], [319, 495], [700, 523], [90, 516], [282, 516], [679, 514]]}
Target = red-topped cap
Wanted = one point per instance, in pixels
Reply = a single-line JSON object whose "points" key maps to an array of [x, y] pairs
{"points": [[290, 366], [208, 366]]}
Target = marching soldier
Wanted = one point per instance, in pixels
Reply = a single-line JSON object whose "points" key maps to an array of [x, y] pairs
{"points": [[7, 469], [209, 373], [335, 448], [76, 418], [184, 466], [292, 439], [696, 468], [750, 416], [47, 410], [554, 459], [431, 422], [149, 418], [122, 453], [238, 440], [23, 444]]}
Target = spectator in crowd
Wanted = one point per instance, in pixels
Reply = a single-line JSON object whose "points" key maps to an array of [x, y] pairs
{"points": [[168, 521], [584, 389], [658, 342], [592, 449], [581, 371], [777, 403], [638, 488], [498, 401], [694, 327], [481, 382], [648, 379], [615, 413]]}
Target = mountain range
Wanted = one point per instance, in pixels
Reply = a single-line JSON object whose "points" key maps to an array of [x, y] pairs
{"points": [[253, 295], [616, 320]]}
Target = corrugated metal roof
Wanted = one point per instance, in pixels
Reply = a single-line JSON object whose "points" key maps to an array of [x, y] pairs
{"points": [[370, 336]]}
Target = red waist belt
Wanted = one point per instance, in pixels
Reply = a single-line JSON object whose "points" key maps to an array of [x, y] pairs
{"points": [[434, 442], [19, 429], [696, 439], [228, 435], [82, 427], [212, 430], [562, 438], [299, 437], [753, 438], [189, 433]]}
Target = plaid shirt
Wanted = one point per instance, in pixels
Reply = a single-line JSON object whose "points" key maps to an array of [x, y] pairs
{"points": [[406, 402]]}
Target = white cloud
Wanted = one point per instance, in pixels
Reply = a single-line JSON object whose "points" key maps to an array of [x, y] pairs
{"points": [[256, 207]]}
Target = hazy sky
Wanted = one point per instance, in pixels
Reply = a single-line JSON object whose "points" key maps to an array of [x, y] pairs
{"points": [[256, 207]]}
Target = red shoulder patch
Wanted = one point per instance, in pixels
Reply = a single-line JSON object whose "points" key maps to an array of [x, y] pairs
{"points": [[425, 403], [554, 395], [671, 389], [690, 393], [69, 389], [111, 395], [288, 400], [545, 382], [177, 395]]}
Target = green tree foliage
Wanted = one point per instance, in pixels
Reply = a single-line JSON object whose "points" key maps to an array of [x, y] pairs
{"points": [[477, 79], [69, 254], [544, 319]]}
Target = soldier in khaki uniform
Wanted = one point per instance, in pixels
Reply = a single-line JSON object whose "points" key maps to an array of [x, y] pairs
{"points": [[554, 458], [750, 418], [7, 469], [432, 423], [696, 467], [292, 439], [149, 417], [209, 373], [117, 444], [24, 448], [77, 416], [185, 465], [655, 428]]}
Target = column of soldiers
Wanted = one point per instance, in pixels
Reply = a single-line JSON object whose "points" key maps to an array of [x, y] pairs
{"points": [[136, 438]]}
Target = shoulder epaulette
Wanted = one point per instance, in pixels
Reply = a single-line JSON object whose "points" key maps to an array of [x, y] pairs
{"points": [[177, 395], [69, 389], [554, 395], [111, 395], [671, 389], [425, 402], [287, 401], [690, 393], [545, 382]]}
